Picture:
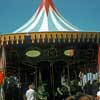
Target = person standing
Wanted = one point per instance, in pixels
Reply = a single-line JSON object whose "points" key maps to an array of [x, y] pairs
{"points": [[30, 93], [98, 94], [81, 74]]}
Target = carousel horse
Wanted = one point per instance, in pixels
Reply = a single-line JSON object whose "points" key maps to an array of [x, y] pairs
{"points": [[42, 94]]}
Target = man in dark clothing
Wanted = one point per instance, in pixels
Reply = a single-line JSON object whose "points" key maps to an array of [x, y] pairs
{"points": [[12, 92]]}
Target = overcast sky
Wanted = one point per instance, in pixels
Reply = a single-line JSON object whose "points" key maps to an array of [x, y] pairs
{"points": [[84, 14]]}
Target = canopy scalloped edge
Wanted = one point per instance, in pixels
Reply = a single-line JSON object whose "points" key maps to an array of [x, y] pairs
{"points": [[74, 36]]}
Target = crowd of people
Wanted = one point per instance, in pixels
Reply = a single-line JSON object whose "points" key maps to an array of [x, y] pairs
{"points": [[86, 88], [87, 76]]}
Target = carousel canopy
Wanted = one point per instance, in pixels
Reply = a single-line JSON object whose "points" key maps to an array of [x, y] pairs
{"points": [[48, 24], [46, 18]]}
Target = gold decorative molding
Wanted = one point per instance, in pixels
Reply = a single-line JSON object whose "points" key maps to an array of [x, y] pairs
{"points": [[79, 36]]}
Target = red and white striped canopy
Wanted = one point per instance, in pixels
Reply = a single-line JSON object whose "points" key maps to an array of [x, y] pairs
{"points": [[46, 18]]}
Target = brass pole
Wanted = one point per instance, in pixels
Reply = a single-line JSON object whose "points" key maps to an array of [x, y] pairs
{"points": [[52, 80]]}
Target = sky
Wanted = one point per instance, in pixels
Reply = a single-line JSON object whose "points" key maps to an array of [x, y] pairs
{"points": [[84, 14]]}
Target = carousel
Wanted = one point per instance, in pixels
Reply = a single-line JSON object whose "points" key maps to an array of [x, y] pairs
{"points": [[49, 52]]}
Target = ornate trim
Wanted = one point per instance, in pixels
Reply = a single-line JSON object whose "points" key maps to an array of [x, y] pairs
{"points": [[74, 36]]}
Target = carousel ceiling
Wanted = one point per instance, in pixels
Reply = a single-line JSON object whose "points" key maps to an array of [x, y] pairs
{"points": [[69, 52]]}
